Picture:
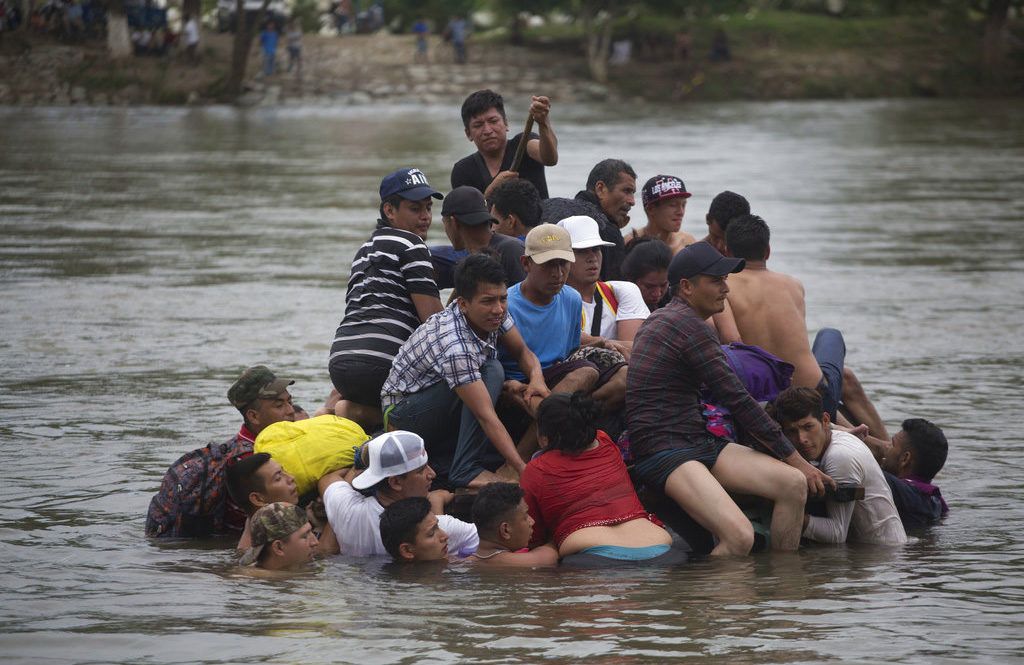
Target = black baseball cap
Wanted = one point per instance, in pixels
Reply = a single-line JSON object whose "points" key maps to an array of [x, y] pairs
{"points": [[467, 205], [701, 258]]}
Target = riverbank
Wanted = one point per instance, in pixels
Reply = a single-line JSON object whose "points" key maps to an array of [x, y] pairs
{"points": [[773, 55]]}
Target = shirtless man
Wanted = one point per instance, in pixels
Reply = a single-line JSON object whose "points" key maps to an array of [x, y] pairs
{"points": [[770, 312], [664, 198]]}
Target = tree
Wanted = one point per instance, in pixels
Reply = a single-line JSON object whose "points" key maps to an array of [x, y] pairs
{"points": [[242, 44], [993, 43]]}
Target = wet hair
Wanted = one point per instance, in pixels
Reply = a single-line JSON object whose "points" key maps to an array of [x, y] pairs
{"points": [[608, 172], [747, 238], [243, 479], [796, 403], [479, 102], [644, 256], [400, 521], [494, 504], [518, 197], [726, 207], [395, 200], [474, 270], [929, 445], [568, 421]]}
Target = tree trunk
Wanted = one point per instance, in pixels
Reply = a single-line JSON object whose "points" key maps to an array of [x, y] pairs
{"points": [[994, 42], [119, 43], [242, 45], [598, 34]]}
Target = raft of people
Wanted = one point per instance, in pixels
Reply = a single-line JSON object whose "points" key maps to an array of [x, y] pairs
{"points": [[583, 399]]}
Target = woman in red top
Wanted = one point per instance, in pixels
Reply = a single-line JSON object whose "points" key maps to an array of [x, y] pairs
{"points": [[580, 495]]}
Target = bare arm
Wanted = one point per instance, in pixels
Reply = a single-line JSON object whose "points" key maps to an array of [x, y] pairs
{"points": [[475, 396], [544, 149], [426, 306], [328, 545], [816, 479], [536, 387], [625, 331], [725, 324], [545, 555]]}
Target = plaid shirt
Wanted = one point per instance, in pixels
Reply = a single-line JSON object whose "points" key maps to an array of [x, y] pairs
{"points": [[674, 354], [444, 348]]}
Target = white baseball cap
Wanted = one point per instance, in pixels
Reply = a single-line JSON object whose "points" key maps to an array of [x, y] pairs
{"points": [[584, 232], [391, 454]]}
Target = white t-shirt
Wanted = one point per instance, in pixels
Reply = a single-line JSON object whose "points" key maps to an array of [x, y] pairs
{"points": [[631, 307], [191, 32], [874, 518], [356, 522]]}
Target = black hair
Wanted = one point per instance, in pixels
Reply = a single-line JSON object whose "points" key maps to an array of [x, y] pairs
{"points": [[242, 480], [644, 256], [796, 403], [479, 102], [608, 172], [518, 197], [726, 207], [396, 201], [474, 270], [400, 521], [493, 505], [568, 421], [929, 445], [747, 238]]}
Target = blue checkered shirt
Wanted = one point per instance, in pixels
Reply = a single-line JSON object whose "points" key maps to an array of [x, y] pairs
{"points": [[445, 349]]}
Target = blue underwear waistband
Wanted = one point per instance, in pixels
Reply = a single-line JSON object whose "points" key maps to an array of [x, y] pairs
{"points": [[627, 553]]}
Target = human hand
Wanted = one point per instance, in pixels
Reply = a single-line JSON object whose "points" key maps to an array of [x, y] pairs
{"points": [[616, 345], [515, 391], [540, 107], [816, 480]]}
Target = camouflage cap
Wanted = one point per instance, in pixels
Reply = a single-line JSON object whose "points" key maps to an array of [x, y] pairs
{"points": [[274, 521], [254, 383]]}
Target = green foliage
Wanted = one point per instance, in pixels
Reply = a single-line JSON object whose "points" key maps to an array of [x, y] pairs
{"points": [[308, 14]]}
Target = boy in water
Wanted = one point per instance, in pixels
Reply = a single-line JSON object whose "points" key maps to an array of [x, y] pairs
{"points": [[410, 531], [504, 524]]}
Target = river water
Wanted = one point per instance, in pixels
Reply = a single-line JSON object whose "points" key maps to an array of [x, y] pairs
{"points": [[148, 255]]}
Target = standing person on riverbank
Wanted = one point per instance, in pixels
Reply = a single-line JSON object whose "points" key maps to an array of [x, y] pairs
{"points": [[664, 199], [674, 355], [421, 29], [456, 32], [268, 43], [294, 37], [770, 312], [391, 290], [485, 123], [191, 31]]}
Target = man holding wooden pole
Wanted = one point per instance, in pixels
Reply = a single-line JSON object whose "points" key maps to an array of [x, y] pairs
{"points": [[499, 158]]}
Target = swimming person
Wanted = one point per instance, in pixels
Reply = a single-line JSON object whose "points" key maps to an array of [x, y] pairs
{"points": [[503, 522], [411, 531], [580, 495]]}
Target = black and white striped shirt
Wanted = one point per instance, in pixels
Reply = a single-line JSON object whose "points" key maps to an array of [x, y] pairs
{"points": [[379, 313]]}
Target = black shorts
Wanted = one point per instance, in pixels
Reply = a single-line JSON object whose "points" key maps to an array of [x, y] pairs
{"points": [[654, 469], [359, 380]]}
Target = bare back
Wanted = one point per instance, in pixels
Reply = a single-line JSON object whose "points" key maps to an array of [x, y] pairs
{"points": [[770, 312]]}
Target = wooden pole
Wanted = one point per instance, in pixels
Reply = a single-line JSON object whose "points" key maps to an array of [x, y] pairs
{"points": [[521, 148]]}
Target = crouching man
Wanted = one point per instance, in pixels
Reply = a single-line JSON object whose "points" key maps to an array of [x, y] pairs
{"points": [[282, 538], [446, 378], [844, 457]]}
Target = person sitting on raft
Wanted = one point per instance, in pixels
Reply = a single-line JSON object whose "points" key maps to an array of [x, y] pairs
{"points": [[580, 495], [503, 522], [646, 265]]}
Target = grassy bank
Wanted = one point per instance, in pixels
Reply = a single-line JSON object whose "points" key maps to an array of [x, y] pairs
{"points": [[787, 55]]}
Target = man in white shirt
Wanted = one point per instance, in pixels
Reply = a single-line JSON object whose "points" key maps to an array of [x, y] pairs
{"points": [[612, 311], [396, 469], [872, 519]]}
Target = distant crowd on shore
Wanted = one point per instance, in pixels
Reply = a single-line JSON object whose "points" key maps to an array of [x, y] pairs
{"points": [[583, 397]]}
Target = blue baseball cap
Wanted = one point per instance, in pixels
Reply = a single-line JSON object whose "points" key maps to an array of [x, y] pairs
{"points": [[410, 184]]}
